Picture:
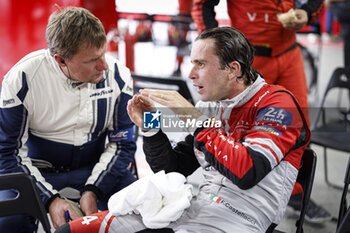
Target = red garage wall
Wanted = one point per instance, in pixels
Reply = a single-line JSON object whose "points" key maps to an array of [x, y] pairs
{"points": [[23, 24]]}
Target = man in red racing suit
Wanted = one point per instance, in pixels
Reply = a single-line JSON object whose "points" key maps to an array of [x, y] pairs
{"points": [[250, 162], [277, 55]]}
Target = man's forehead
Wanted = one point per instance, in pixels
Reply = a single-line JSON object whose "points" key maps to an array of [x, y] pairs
{"points": [[202, 49], [207, 42], [90, 51]]}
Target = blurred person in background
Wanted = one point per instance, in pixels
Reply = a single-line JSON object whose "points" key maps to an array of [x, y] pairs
{"points": [[341, 11], [177, 33]]}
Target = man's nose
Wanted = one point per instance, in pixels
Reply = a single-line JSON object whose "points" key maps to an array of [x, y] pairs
{"points": [[192, 74], [102, 65]]}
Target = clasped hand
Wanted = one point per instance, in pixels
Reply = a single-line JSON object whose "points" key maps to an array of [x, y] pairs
{"points": [[59, 207]]}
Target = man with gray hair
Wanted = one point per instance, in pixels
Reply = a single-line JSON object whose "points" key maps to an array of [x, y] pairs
{"points": [[57, 108]]}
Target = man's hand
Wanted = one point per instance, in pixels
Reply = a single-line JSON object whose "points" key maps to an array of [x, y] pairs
{"points": [[136, 106], [88, 203], [58, 210], [300, 21], [173, 100]]}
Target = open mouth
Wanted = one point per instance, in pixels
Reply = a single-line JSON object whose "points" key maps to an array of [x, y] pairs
{"points": [[198, 87]]}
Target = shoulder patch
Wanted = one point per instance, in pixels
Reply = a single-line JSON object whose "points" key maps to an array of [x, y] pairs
{"points": [[275, 115]]}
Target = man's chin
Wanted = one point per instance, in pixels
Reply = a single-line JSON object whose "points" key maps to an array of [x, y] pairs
{"points": [[98, 80], [204, 99]]}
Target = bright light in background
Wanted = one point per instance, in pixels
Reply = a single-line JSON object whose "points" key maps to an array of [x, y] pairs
{"points": [[162, 7], [148, 6], [156, 58]]}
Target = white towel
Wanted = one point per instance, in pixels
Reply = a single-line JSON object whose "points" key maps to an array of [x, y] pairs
{"points": [[159, 198]]}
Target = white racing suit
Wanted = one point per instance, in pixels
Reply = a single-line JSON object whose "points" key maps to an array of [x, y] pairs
{"points": [[47, 117]]}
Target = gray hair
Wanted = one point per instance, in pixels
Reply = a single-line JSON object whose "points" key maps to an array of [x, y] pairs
{"points": [[70, 28]]}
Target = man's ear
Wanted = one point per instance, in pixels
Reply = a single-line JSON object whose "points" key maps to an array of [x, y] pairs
{"points": [[59, 59], [234, 69]]}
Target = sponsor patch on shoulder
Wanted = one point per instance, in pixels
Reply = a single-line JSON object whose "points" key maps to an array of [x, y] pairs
{"points": [[275, 115], [122, 135], [268, 129]]}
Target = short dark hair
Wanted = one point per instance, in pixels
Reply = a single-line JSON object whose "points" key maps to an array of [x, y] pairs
{"points": [[232, 45]]}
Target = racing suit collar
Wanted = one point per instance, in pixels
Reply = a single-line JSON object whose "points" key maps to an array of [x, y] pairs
{"points": [[244, 96], [55, 66], [60, 74], [226, 106]]}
